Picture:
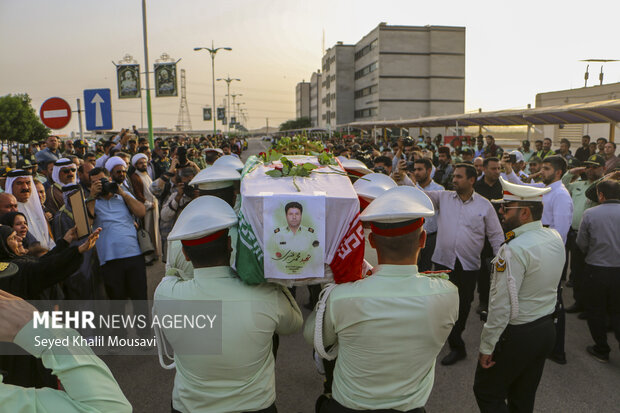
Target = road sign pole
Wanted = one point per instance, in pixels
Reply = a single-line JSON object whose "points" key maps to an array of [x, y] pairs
{"points": [[79, 111], [148, 82]]}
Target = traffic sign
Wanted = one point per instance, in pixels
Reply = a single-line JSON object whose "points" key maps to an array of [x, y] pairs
{"points": [[55, 113], [98, 109]]}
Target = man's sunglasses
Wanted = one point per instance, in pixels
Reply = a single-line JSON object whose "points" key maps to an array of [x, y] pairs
{"points": [[67, 170]]}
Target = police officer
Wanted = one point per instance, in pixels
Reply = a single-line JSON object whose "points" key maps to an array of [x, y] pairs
{"points": [[386, 329], [519, 332], [242, 377], [221, 183]]}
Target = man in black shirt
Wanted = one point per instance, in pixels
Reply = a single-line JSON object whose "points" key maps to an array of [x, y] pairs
{"points": [[489, 187], [583, 153]]}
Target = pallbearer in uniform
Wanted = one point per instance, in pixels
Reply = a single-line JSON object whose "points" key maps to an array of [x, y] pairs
{"points": [[242, 377], [386, 329], [519, 332]]}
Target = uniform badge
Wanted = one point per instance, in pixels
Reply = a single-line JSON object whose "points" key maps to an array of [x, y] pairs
{"points": [[275, 231], [500, 265], [315, 244], [310, 230], [509, 235]]}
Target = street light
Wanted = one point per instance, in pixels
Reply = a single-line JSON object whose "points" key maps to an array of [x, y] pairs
{"points": [[213, 50], [235, 96], [228, 80]]}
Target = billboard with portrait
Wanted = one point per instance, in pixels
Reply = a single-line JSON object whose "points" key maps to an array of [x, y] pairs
{"points": [[128, 81], [206, 113], [165, 79], [294, 236]]}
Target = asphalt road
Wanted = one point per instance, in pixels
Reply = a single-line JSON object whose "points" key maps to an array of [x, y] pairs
{"points": [[582, 385]]}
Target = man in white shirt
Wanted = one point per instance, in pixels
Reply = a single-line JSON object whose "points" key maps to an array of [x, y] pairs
{"points": [[464, 218]]}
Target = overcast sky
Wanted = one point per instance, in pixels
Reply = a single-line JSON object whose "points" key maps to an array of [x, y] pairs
{"points": [[513, 49]]}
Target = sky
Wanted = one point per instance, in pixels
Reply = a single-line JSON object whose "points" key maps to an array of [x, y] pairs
{"points": [[514, 50]]}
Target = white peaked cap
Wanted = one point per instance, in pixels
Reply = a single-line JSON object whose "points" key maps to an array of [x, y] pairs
{"points": [[373, 185], [216, 177], [399, 204], [355, 165], [203, 216], [230, 161], [516, 192], [218, 150]]}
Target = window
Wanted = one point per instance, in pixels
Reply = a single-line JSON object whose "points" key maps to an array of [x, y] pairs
{"points": [[365, 113], [366, 91], [366, 49], [366, 70]]}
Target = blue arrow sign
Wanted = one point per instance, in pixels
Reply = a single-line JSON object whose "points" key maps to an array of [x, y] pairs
{"points": [[98, 109]]}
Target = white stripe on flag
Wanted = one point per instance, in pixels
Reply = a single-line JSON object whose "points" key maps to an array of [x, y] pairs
{"points": [[59, 113]]}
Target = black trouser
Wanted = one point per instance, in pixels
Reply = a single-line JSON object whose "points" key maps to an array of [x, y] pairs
{"points": [[577, 264], [560, 324], [465, 281], [426, 254], [602, 300], [328, 405], [484, 275], [519, 362], [126, 278], [270, 409]]}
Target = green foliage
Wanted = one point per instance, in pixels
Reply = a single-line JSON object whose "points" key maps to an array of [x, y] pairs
{"points": [[299, 123], [19, 121], [298, 145]]}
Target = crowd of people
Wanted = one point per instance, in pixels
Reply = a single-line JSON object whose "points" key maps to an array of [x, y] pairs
{"points": [[554, 222]]}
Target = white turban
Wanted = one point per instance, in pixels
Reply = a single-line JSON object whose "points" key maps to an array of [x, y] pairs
{"points": [[61, 164], [37, 224], [137, 157], [113, 162]]}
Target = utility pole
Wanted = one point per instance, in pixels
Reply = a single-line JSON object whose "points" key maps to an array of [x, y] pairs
{"points": [[228, 80], [149, 116]]}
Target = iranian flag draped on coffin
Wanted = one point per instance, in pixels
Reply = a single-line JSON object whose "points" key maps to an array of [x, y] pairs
{"points": [[301, 228]]}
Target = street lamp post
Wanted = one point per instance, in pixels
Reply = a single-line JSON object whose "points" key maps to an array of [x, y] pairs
{"points": [[212, 51], [228, 80], [234, 96]]}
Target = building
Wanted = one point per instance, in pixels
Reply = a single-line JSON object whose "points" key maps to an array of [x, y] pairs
{"points": [[409, 72], [337, 86], [302, 100], [393, 72], [574, 132], [315, 98]]}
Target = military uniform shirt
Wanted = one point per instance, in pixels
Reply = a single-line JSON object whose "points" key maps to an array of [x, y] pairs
{"points": [[389, 328], [242, 378], [577, 191], [88, 383], [534, 259]]}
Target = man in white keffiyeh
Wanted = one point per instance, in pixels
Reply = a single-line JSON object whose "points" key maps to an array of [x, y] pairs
{"points": [[20, 184]]}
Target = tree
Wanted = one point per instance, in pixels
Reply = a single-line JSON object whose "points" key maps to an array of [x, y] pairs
{"points": [[19, 121], [299, 123]]}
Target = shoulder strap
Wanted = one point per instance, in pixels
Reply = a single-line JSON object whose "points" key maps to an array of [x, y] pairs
{"points": [[318, 325], [162, 349]]}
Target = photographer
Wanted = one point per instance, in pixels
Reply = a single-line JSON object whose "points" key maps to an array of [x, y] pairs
{"points": [[113, 209], [181, 194]]}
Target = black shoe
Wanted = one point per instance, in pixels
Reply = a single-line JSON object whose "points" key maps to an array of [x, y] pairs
{"points": [[484, 315], [481, 307], [453, 356], [557, 358], [583, 316], [569, 284], [598, 356], [574, 309]]}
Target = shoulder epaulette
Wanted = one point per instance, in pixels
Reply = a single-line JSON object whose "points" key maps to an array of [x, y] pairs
{"points": [[441, 274]]}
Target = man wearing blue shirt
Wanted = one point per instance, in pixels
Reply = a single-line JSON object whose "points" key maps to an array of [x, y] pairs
{"points": [[122, 264]]}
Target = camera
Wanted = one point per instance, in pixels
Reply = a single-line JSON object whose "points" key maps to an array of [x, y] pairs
{"points": [[513, 158], [108, 187], [408, 141], [410, 167], [182, 156]]}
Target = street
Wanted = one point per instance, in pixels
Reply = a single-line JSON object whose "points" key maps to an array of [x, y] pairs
{"points": [[582, 385]]}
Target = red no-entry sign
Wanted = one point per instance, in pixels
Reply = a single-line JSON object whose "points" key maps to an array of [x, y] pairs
{"points": [[55, 113]]}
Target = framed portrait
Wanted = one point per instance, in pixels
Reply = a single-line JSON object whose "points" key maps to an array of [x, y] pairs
{"points": [[80, 216], [294, 236], [165, 79], [128, 81]]}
